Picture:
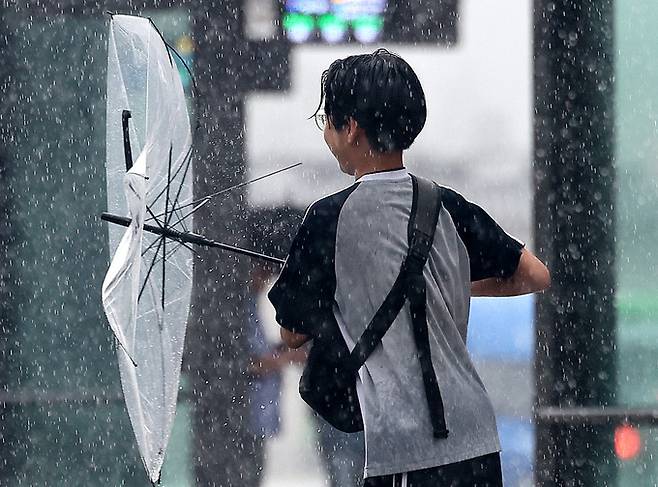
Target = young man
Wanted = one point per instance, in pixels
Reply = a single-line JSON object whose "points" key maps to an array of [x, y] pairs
{"points": [[347, 255]]}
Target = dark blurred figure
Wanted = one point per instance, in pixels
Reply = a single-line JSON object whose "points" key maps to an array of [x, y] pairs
{"points": [[267, 360], [270, 233]]}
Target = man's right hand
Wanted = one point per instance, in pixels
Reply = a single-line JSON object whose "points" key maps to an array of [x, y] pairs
{"points": [[293, 340]]}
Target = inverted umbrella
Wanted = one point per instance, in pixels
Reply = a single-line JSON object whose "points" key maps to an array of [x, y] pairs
{"points": [[147, 290]]}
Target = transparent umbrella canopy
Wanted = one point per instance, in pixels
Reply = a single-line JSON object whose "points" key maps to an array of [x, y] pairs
{"points": [[147, 289]]}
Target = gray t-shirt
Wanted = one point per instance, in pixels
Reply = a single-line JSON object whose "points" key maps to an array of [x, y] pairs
{"points": [[342, 264]]}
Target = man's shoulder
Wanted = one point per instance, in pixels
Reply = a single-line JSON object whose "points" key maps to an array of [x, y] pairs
{"points": [[453, 201], [460, 209], [448, 194], [328, 207]]}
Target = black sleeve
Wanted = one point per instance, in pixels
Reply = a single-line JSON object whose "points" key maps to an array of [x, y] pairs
{"points": [[491, 251], [304, 291]]}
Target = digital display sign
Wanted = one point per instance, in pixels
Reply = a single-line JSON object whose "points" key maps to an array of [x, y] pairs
{"points": [[334, 21]]}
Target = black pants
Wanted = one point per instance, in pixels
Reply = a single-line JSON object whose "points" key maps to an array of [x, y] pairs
{"points": [[477, 472]]}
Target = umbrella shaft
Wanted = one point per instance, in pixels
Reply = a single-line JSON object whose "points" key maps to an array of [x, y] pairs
{"points": [[186, 237]]}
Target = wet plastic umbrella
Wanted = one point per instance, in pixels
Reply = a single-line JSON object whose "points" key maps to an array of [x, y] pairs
{"points": [[147, 290]]}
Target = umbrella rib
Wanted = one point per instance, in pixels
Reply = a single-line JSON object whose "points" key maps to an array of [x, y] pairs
{"points": [[154, 218], [184, 163], [151, 245], [146, 279], [191, 212], [167, 217], [239, 185], [171, 253], [182, 222], [164, 284], [164, 262], [205, 199], [176, 249], [180, 187], [182, 271]]}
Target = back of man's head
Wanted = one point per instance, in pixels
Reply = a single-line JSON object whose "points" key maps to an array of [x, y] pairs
{"points": [[381, 93]]}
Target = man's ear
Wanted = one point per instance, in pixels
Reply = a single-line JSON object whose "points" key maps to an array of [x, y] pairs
{"points": [[353, 131]]}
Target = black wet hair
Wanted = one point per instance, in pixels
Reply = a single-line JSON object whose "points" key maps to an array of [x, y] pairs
{"points": [[381, 93]]}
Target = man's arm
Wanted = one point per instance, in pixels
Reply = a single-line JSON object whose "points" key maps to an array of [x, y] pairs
{"points": [[293, 340], [277, 359], [531, 276], [303, 293]]}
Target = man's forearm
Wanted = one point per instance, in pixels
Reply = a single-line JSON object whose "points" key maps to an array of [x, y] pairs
{"points": [[531, 276], [293, 340], [498, 288]]}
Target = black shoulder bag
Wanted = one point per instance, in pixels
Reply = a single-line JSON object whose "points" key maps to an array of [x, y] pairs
{"points": [[328, 383]]}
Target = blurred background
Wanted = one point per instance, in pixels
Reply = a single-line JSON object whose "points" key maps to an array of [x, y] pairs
{"points": [[543, 112]]}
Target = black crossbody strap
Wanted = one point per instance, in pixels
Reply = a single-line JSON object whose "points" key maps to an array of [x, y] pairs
{"points": [[421, 236], [417, 299], [425, 213], [379, 325], [410, 284], [422, 223]]}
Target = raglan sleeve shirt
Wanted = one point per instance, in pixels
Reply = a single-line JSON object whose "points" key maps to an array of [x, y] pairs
{"points": [[303, 295], [308, 301]]}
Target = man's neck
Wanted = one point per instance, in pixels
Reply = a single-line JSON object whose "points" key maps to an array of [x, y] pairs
{"points": [[377, 162]]}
